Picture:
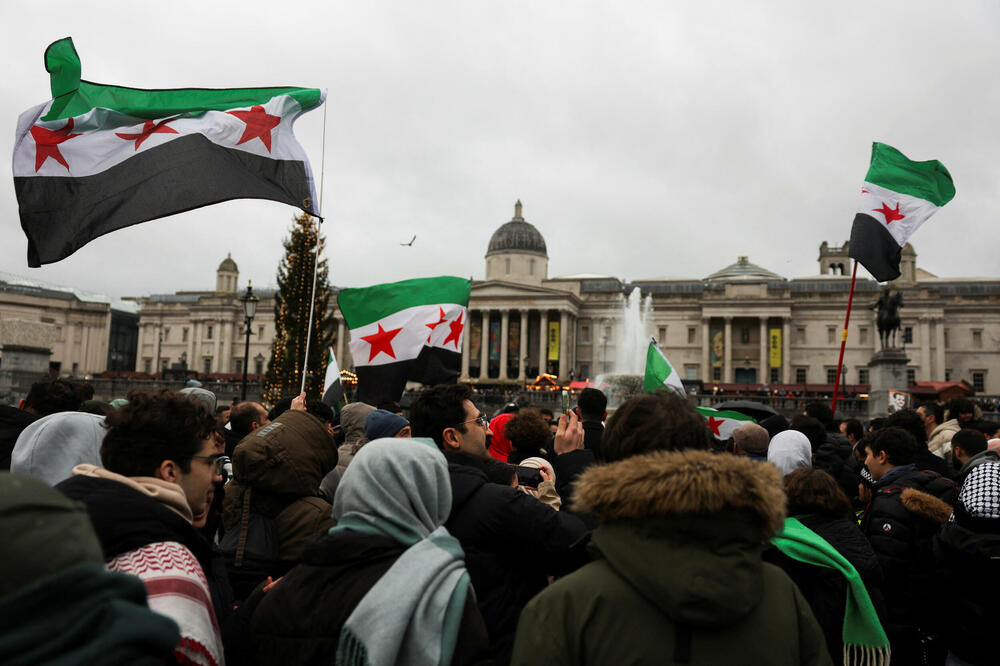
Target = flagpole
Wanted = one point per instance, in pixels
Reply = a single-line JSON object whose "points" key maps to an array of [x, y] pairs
{"points": [[843, 337], [319, 225]]}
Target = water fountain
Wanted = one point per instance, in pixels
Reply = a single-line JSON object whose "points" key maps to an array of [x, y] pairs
{"points": [[625, 378]]}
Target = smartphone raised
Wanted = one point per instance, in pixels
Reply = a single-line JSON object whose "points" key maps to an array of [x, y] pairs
{"points": [[529, 477]]}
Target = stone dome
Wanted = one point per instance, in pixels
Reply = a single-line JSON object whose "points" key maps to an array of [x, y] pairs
{"points": [[228, 265], [517, 236]]}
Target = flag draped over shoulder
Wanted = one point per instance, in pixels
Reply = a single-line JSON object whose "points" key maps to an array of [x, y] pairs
{"points": [[898, 196], [97, 158], [660, 373], [405, 331], [723, 422], [333, 387]]}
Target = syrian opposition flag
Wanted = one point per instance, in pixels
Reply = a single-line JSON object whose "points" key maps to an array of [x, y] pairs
{"points": [[97, 158], [897, 197], [659, 372], [405, 331], [333, 388], [722, 423]]}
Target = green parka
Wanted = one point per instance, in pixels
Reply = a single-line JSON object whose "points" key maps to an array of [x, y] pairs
{"points": [[679, 577]]}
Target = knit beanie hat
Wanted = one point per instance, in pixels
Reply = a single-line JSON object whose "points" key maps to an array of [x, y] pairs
{"points": [[383, 423], [201, 396], [48, 532]]}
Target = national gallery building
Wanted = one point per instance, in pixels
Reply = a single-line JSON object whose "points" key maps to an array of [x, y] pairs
{"points": [[741, 325]]}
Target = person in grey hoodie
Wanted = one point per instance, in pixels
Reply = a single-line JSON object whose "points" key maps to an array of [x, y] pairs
{"points": [[52, 446], [352, 421]]}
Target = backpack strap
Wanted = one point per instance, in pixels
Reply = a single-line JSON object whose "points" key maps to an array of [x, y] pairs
{"points": [[241, 545]]}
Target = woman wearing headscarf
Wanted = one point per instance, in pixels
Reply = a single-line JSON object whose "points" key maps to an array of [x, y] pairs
{"points": [[388, 584], [789, 450]]}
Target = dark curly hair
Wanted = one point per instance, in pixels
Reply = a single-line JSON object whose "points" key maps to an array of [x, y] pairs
{"points": [[815, 491], [438, 408], [151, 428], [528, 431], [654, 422]]}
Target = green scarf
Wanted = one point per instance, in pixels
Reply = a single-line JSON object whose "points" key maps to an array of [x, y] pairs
{"points": [[864, 640]]}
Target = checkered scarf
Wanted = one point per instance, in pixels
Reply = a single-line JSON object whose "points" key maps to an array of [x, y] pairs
{"points": [[980, 494]]}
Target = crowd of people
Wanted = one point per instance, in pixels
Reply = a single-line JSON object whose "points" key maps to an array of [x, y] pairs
{"points": [[166, 528]]}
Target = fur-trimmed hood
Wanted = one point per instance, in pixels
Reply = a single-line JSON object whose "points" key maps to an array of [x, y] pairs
{"points": [[686, 529], [674, 483], [928, 506]]}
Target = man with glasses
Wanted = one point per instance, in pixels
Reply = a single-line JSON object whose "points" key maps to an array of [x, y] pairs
{"points": [[161, 459], [512, 542]]}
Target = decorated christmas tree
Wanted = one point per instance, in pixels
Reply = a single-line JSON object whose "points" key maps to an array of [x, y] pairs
{"points": [[291, 316]]}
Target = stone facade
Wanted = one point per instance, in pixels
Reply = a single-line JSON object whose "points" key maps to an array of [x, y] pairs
{"points": [[740, 325], [73, 325]]}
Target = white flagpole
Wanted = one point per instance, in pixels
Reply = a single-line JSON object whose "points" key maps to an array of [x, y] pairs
{"points": [[319, 224]]}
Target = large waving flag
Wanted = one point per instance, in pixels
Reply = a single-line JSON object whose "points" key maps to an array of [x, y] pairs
{"points": [[660, 373], [898, 195], [97, 158], [410, 330]]}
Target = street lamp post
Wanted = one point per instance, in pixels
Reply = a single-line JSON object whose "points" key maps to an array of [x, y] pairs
{"points": [[249, 310]]}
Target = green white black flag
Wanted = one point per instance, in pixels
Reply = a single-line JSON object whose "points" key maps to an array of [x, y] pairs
{"points": [[660, 373]]}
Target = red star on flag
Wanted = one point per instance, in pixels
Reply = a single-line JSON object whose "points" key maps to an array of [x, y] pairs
{"points": [[891, 215], [47, 143], [435, 324], [258, 125], [714, 424], [381, 341], [456, 330], [148, 128]]}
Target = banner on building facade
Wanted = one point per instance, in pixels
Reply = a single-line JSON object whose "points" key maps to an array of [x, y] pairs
{"points": [[494, 341], [718, 347], [553, 341], [774, 347], [475, 340]]}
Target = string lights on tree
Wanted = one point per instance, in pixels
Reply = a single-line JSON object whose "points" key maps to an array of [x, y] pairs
{"points": [[291, 316]]}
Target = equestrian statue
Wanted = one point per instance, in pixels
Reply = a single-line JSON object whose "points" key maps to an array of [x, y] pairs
{"points": [[888, 306]]}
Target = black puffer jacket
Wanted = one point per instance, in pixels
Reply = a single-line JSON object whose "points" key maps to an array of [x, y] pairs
{"points": [[300, 619], [12, 422], [826, 589], [511, 542], [907, 509], [968, 560]]}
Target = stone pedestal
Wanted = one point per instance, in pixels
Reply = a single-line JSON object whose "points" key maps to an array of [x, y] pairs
{"points": [[887, 372]]}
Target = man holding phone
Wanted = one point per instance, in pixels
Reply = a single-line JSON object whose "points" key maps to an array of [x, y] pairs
{"points": [[512, 542]]}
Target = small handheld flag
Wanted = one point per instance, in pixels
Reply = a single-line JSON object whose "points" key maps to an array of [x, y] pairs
{"points": [[333, 388], [660, 373]]}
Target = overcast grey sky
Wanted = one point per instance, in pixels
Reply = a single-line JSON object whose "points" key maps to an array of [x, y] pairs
{"points": [[644, 139]]}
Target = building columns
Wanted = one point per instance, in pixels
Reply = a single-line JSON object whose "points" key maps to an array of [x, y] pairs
{"points": [[522, 351], [484, 345], [341, 332], [563, 344], [706, 359], [786, 350], [728, 376], [465, 345], [925, 349], [543, 341], [939, 367], [504, 335], [765, 376]]}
